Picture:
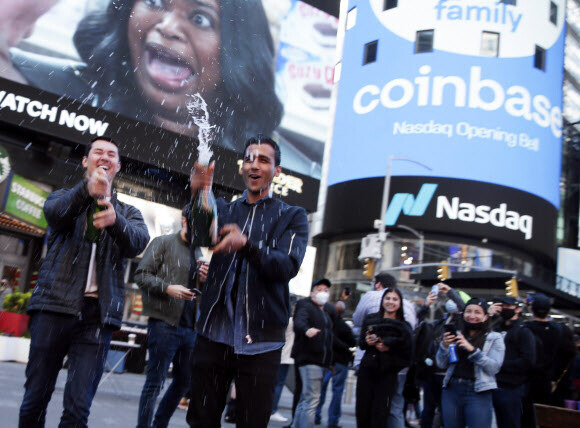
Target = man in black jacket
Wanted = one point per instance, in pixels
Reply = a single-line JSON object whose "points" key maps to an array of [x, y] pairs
{"points": [[342, 341], [312, 351], [79, 297], [246, 304], [162, 275], [520, 357]]}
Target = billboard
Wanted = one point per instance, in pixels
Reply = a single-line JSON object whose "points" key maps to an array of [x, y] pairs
{"points": [[81, 68], [453, 89]]}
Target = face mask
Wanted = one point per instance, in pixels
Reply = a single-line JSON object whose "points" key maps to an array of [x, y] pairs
{"points": [[451, 307], [473, 325], [507, 314], [321, 297]]}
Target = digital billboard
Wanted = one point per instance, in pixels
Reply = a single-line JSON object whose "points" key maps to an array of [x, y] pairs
{"points": [[81, 68], [453, 89]]}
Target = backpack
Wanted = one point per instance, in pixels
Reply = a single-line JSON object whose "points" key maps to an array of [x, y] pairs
{"points": [[544, 355], [426, 341]]}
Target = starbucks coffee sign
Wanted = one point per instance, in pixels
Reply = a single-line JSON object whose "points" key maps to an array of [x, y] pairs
{"points": [[4, 164]]}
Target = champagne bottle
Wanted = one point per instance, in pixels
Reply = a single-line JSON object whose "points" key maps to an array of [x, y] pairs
{"points": [[204, 215], [92, 233]]}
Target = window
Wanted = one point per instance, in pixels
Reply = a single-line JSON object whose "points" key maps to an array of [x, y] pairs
{"points": [[489, 43], [370, 54], [553, 13], [540, 58], [390, 4], [424, 41]]}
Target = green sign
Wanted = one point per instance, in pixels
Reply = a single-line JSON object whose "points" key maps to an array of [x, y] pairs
{"points": [[25, 201], [4, 164]]}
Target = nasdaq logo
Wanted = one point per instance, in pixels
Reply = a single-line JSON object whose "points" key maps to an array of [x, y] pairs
{"points": [[409, 204]]}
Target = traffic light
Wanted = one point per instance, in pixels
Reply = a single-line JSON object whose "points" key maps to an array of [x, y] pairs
{"points": [[369, 268], [511, 288], [443, 271]]}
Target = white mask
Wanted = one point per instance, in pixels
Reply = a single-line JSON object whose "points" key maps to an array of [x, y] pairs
{"points": [[322, 297]]}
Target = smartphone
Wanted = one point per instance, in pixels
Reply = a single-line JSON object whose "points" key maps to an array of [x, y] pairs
{"points": [[435, 290], [347, 291], [450, 328], [196, 291]]}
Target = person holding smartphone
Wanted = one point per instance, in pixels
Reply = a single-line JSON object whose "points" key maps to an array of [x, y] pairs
{"points": [[472, 358], [387, 339], [169, 302]]}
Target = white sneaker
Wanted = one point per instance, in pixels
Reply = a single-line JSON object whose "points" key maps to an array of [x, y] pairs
{"points": [[277, 417]]}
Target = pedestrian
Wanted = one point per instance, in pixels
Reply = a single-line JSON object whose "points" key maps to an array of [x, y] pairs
{"points": [[472, 357], [246, 305], [163, 276], [554, 355], [342, 341], [312, 351], [387, 341], [286, 361], [79, 297], [520, 358], [371, 303]]}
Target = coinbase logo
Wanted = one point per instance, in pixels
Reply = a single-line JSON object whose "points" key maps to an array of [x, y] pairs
{"points": [[410, 204]]}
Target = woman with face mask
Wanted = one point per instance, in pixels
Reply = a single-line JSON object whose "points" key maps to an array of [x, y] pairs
{"points": [[387, 341], [472, 357]]}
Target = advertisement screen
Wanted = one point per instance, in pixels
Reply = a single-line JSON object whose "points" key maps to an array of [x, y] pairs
{"points": [[463, 89], [126, 67]]}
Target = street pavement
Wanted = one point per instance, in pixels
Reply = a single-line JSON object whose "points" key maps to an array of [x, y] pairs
{"points": [[117, 401]]}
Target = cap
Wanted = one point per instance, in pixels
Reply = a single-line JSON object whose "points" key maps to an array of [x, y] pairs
{"points": [[541, 302], [321, 281], [479, 302], [508, 300]]}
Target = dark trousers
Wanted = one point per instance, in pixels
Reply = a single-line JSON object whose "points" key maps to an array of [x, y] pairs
{"points": [[431, 399], [215, 366], [52, 336], [165, 344], [508, 406], [374, 392]]}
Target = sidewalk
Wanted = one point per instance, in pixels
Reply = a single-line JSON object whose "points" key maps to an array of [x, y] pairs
{"points": [[117, 401]]}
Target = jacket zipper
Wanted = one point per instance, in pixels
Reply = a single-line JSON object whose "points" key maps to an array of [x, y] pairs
{"points": [[248, 337]]}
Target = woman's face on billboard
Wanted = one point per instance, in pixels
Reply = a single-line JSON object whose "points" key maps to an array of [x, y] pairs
{"points": [[175, 50]]}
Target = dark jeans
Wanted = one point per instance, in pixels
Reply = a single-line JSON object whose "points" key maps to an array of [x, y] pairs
{"points": [[215, 365], [374, 392], [282, 374], [54, 335], [338, 380], [431, 399], [508, 406], [463, 407], [165, 344]]}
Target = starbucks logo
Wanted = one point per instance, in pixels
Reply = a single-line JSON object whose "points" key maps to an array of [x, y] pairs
{"points": [[4, 164]]}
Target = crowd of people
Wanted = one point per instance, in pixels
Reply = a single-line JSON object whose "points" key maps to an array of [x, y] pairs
{"points": [[477, 360]]}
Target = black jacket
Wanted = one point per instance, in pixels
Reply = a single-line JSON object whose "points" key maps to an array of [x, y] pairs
{"points": [[399, 339], [312, 350], [342, 341], [520, 354], [63, 275], [277, 238]]}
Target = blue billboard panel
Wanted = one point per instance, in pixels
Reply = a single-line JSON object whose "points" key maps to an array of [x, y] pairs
{"points": [[470, 88]]}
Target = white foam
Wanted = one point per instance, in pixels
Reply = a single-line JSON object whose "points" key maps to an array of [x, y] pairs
{"points": [[197, 108]]}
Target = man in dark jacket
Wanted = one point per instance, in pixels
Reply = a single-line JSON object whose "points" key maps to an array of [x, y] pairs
{"points": [[79, 297], [312, 351], [342, 341], [169, 304], [520, 357], [246, 304]]}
